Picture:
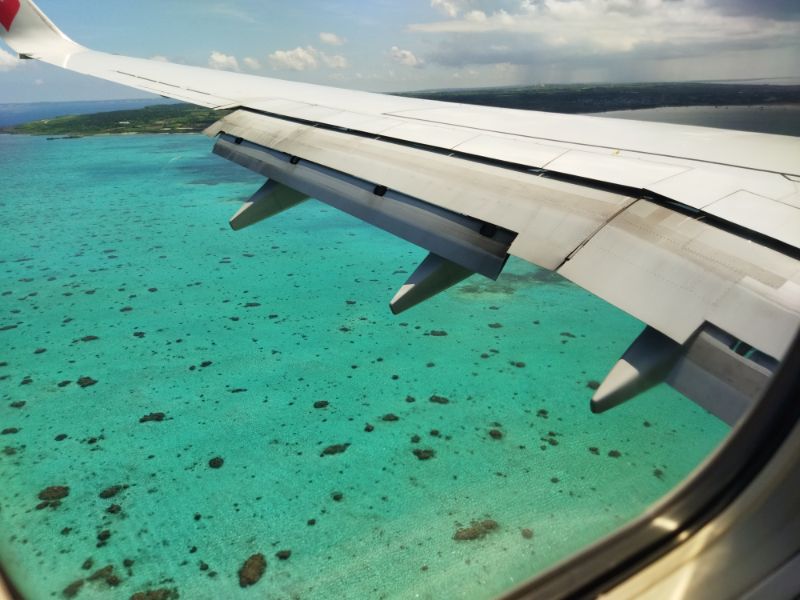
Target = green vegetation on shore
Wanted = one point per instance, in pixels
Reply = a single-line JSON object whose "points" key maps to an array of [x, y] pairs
{"points": [[578, 98], [164, 118]]}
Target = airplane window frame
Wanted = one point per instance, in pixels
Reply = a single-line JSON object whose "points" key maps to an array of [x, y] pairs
{"points": [[713, 486]]}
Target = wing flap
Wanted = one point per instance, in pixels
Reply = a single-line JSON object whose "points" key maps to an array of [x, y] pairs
{"points": [[552, 217], [776, 219], [676, 273]]}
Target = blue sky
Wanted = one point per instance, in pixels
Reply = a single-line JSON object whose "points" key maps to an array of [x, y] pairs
{"points": [[385, 45]]}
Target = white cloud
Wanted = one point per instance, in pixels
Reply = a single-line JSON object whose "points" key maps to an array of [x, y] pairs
{"points": [[331, 39], [306, 59], [597, 27], [336, 61], [476, 16], [451, 8], [159, 58], [405, 57], [251, 63], [221, 61], [8, 61], [299, 59]]}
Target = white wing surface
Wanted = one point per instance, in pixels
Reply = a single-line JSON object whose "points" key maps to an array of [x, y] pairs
{"points": [[694, 231]]}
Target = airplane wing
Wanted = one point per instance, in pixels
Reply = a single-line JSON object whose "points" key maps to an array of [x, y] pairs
{"points": [[694, 231]]}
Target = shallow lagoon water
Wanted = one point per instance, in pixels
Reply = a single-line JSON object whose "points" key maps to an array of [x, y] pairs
{"points": [[234, 337]]}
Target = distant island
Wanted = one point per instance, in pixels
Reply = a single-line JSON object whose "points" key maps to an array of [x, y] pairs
{"points": [[162, 118], [574, 99], [594, 98]]}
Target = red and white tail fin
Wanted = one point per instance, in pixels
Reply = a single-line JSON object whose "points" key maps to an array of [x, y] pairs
{"points": [[31, 34]]}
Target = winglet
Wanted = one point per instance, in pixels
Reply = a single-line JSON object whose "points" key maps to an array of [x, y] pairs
{"points": [[29, 32]]}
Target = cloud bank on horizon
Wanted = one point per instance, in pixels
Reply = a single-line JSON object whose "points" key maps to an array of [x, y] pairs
{"points": [[417, 44]]}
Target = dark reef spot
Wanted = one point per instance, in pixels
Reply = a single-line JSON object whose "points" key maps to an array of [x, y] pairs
{"points": [[438, 333], [283, 554], [415, 439], [87, 564], [156, 416], [206, 363], [54, 493], [439, 399], [252, 570], [592, 384], [614, 453], [476, 530], [216, 462], [9, 431], [40, 351], [542, 413], [321, 404], [550, 439], [594, 450], [64, 383], [658, 473], [390, 417], [527, 533], [311, 522], [337, 496], [567, 334], [126, 309], [424, 454], [89, 338], [159, 594], [112, 491], [105, 574], [369, 427], [114, 509], [252, 305], [495, 434], [86, 381], [17, 404], [72, 589], [410, 399], [334, 449]]}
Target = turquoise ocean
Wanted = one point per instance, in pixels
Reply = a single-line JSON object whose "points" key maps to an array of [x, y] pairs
{"points": [[207, 396]]}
